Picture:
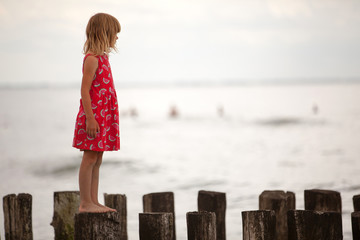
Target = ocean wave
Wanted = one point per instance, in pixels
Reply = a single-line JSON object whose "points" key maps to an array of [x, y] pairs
{"points": [[288, 121], [72, 167], [199, 184]]}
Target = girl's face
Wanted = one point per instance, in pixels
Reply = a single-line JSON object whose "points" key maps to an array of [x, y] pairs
{"points": [[113, 42]]}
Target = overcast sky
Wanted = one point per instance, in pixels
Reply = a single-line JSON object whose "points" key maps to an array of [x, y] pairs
{"points": [[184, 40]]}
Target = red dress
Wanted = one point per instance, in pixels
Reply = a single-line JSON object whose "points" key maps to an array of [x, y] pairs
{"points": [[105, 108]]}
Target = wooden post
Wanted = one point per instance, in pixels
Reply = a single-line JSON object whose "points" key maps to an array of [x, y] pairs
{"points": [[259, 225], [160, 202], [355, 223], [214, 202], [280, 202], [322, 200], [18, 216], [66, 204], [314, 225], [356, 201], [201, 225], [157, 226], [118, 202], [97, 226], [291, 200]]}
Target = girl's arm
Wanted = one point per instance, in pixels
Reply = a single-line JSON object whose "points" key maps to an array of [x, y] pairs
{"points": [[90, 66]]}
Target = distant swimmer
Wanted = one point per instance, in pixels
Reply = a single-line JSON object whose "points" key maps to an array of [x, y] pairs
{"points": [[220, 111], [174, 113], [315, 109], [133, 112]]}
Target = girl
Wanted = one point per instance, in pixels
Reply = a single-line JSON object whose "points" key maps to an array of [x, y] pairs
{"points": [[97, 123]]}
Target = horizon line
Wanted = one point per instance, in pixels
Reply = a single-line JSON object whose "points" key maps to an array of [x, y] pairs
{"points": [[191, 83]]}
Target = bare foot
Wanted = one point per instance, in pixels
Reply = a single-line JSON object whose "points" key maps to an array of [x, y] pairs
{"points": [[107, 209], [91, 207]]}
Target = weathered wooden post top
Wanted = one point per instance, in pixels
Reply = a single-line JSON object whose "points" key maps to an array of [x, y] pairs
{"points": [[118, 202], [314, 225], [97, 226], [322, 200], [355, 225], [66, 205], [356, 202], [281, 202], [157, 226], [259, 225], [18, 216], [201, 225], [160, 202], [215, 202]]}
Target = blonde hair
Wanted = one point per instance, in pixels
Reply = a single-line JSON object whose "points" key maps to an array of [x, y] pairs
{"points": [[101, 33]]}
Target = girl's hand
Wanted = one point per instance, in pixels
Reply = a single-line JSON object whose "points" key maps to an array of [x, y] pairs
{"points": [[92, 127]]}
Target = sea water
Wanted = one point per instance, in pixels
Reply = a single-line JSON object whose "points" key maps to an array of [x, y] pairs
{"points": [[241, 140]]}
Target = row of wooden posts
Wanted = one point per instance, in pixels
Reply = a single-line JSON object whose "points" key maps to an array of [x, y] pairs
{"points": [[276, 218]]}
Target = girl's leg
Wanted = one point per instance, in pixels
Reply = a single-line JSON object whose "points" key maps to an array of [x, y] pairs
{"points": [[95, 178], [95, 183], [85, 179]]}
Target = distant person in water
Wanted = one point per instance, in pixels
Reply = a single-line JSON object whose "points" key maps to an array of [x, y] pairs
{"points": [[97, 123], [174, 113], [315, 109], [133, 112], [220, 110]]}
